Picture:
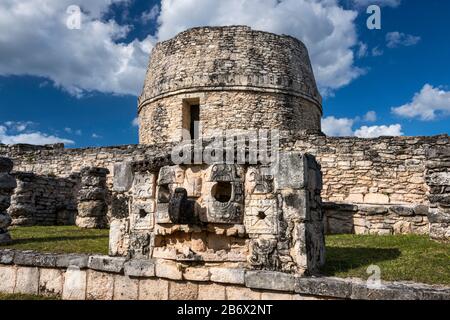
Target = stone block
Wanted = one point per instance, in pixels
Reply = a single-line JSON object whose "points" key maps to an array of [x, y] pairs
{"points": [[269, 280], [51, 282], [211, 291], [100, 285], [125, 288], [360, 291], [140, 268], [144, 185], [242, 293], [27, 280], [72, 260], [227, 275], [7, 279], [402, 211], [183, 290], [376, 198], [325, 286], [6, 256], [106, 263], [291, 171], [74, 284], [275, 296], [25, 258], [168, 269], [196, 274], [153, 289], [123, 177]]}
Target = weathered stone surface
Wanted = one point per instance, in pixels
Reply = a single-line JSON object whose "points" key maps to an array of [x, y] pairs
{"points": [[196, 274], [100, 285], [106, 263], [275, 296], [6, 165], [75, 282], [123, 176], [242, 293], [7, 279], [7, 182], [227, 275], [6, 256], [169, 270], [211, 291], [51, 282], [184, 290], [331, 287], [139, 268], [72, 260], [269, 280], [153, 289], [27, 280], [125, 288]]}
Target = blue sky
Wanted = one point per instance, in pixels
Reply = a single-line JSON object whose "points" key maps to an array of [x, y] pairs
{"points": [[80, 86]]}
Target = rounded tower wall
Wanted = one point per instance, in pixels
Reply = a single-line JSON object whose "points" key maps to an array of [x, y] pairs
{"points": [[227, 78]]}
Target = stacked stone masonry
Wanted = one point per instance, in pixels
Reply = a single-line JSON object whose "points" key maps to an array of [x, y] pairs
{"points": [[92, 205], [7, 185], [44, 200], [83, 277]]}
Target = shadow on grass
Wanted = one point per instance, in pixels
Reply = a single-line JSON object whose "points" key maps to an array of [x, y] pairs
{"points": [[345, 259], [52, 239]]}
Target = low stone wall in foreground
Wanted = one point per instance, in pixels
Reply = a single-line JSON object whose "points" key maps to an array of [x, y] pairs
{"points": [[84, 277]]}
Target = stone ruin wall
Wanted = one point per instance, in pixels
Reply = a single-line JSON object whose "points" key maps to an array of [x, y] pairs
{"points": [[241, 78], [376, 186]]}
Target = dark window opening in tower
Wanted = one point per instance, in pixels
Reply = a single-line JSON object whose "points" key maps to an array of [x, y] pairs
{"points": [[194, 121]]}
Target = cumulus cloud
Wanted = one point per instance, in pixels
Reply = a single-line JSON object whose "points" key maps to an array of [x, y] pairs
{"points": [[377, 131], [428, 104], [382, 3], [151, 14], [337, 127], [398, 39], [327, 29], [11, 135], [36, 41], [343, 127]]}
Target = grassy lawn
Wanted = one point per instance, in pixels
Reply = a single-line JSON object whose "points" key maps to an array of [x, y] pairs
{"points": [[17, 296], [60, 239], [400, 257]]}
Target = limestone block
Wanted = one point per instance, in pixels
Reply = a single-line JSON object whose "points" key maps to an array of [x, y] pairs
{"points": [[211, 291], [95, 208], [144, 185], [72, 260], [184, 290], [355, 198], [291, 171], [74, 284], [140, 268], [6, 256], [142, 213], [153, 289], [106, 263], [125, 288], [117, 235], [51, 282], [242, 293], [227, 275], [275, 296], [269, 280], [261, 217], [334, 287], [168, 269], [27, 280], [376, 198], [123, 177], [196, 274], [7, 279], [100, 286]]}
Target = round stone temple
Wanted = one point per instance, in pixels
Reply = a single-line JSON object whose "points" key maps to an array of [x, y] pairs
{"points": [[212, 79]]}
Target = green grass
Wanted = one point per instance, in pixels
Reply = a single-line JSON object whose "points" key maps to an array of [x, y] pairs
{"points": [[60, 239], [17, 296], [400, 257]]}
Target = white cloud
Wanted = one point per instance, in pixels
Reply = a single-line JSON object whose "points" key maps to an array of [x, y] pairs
{"points": [[327, 29], [362, 50], [151, 14], [337, 127], [35, 41], [428, 104], [343, 127], [376, 52], [37, 138], [96, 136], [383, 3], [135, 122], [72, 131], [377, 131], [397, 39], [370, 116]]}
